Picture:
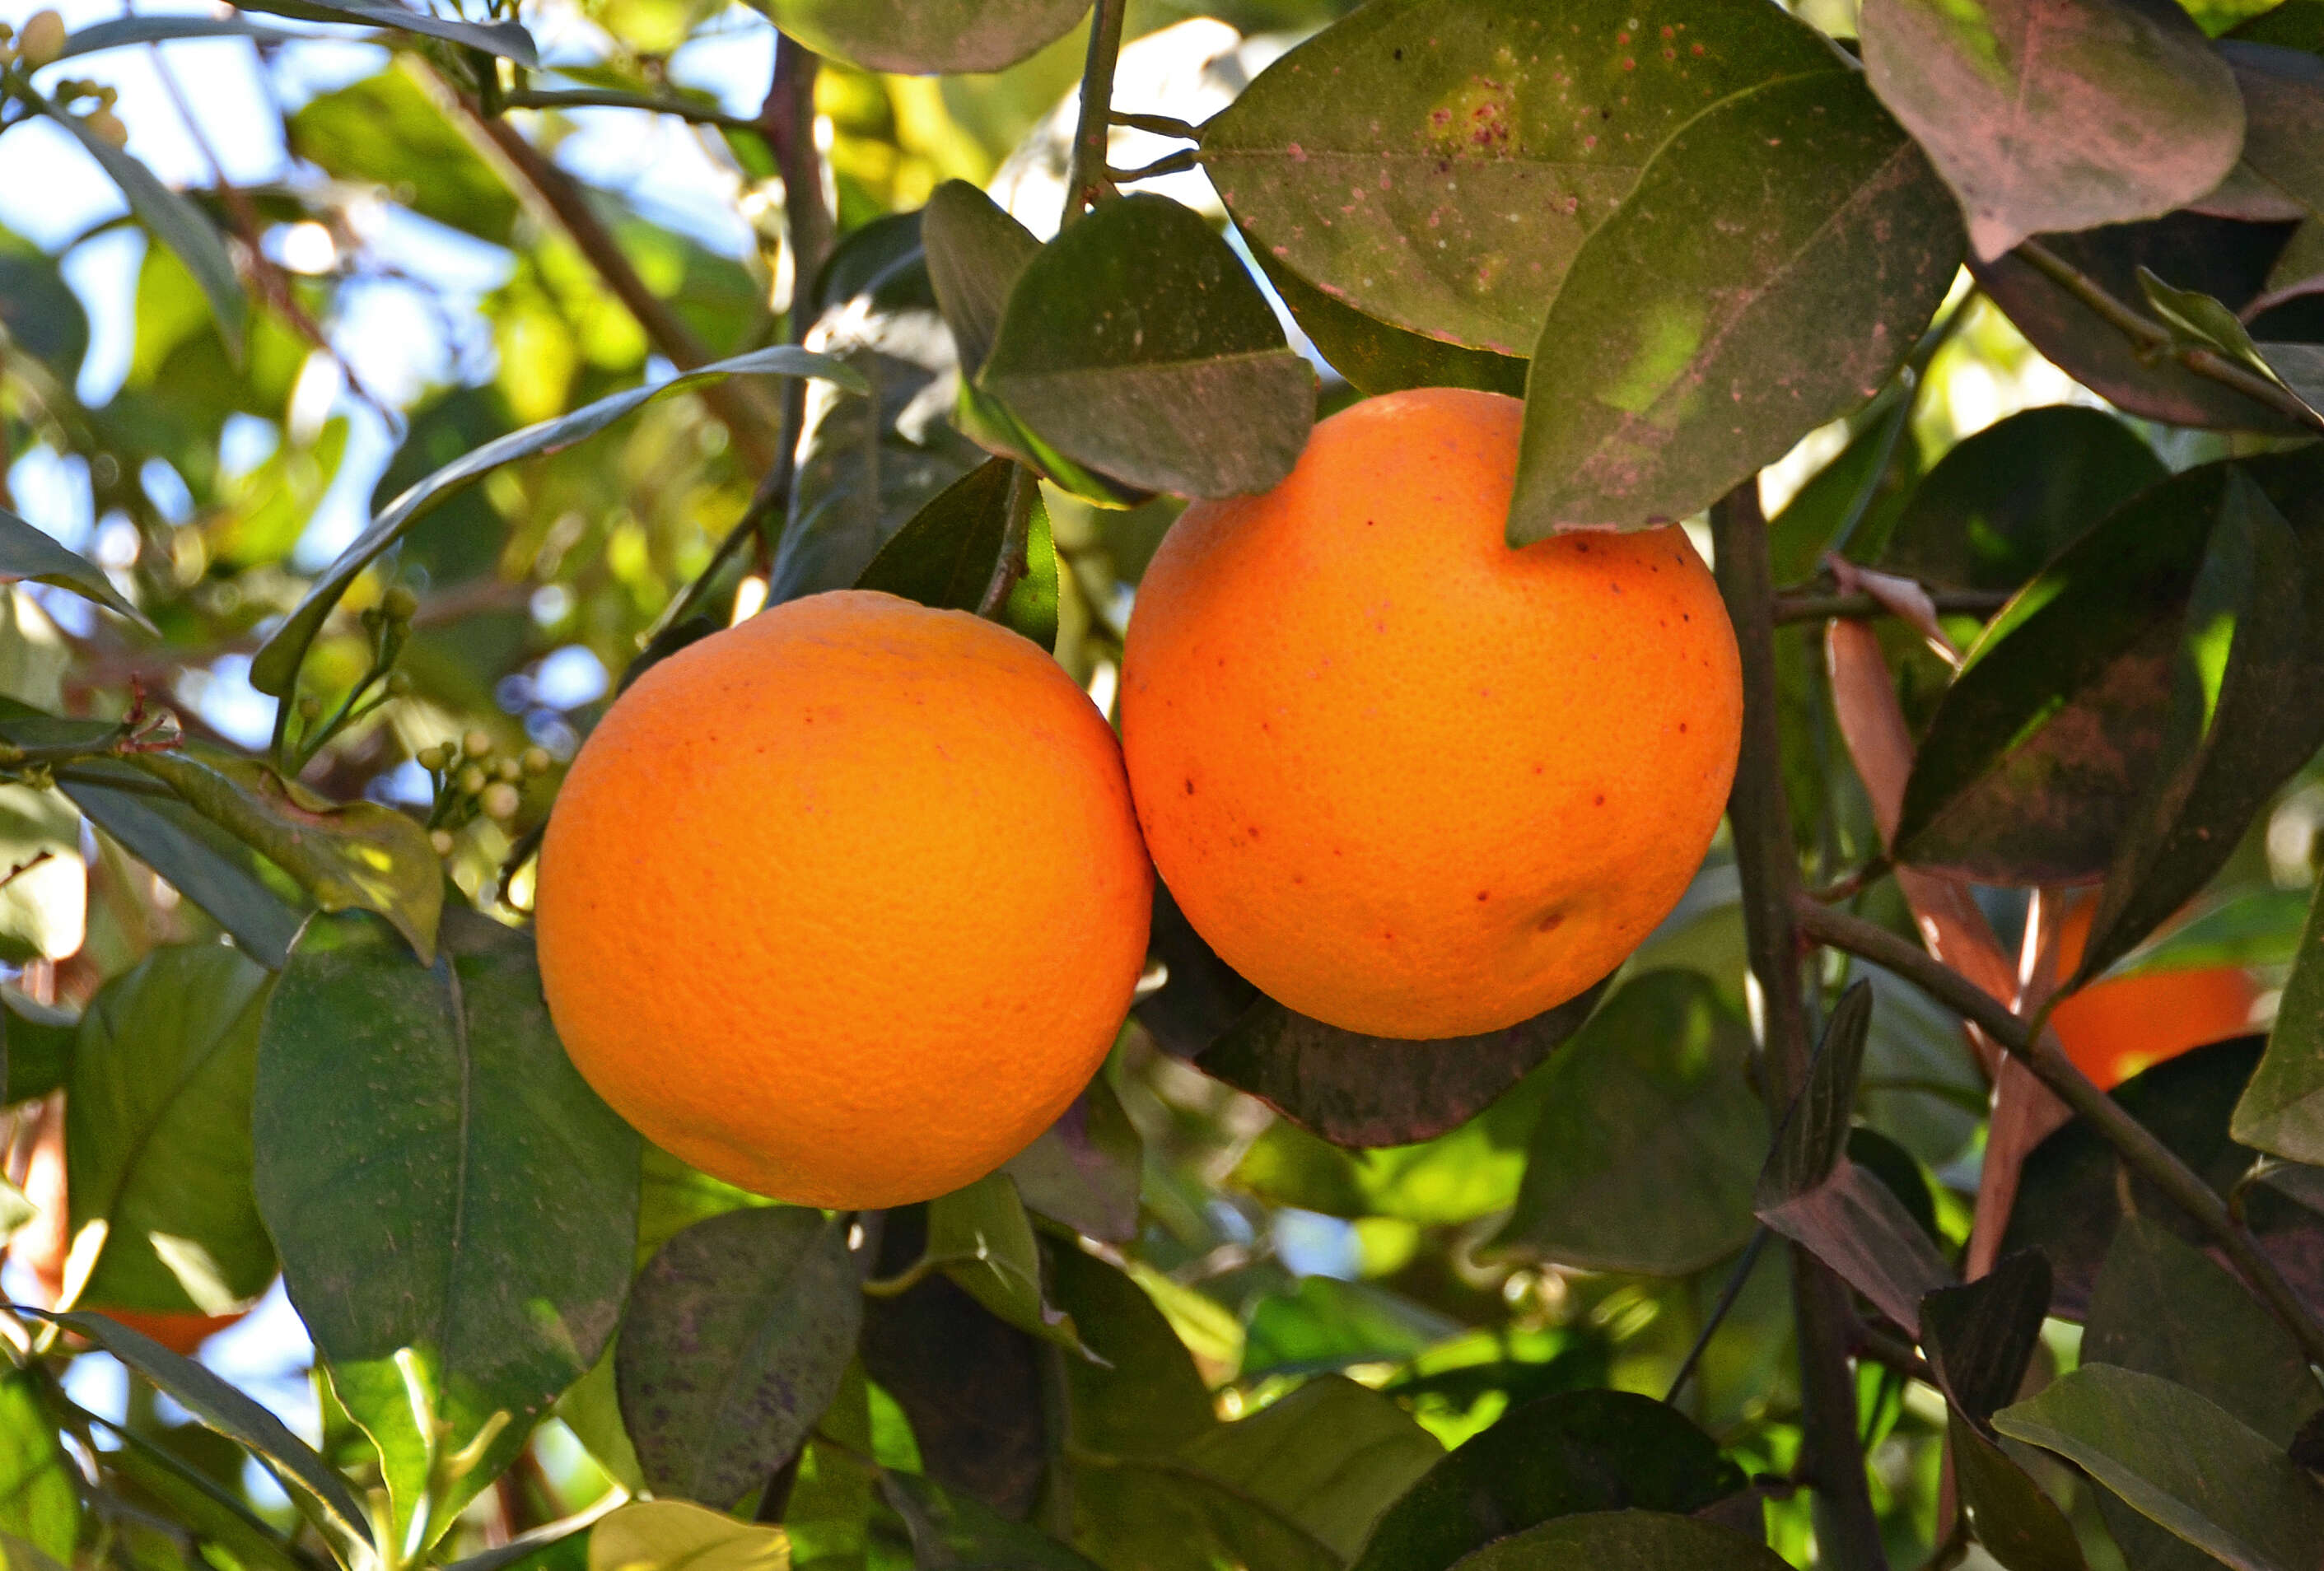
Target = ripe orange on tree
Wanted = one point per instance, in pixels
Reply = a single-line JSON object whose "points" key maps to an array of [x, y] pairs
{"points": [[846, 903], [2114, 1028], [1406, 780]]}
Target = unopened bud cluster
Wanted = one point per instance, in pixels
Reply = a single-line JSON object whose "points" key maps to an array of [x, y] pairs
{"points": [[473, 779], [41, 41]]}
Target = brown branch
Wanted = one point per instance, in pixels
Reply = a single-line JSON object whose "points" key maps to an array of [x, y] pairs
{"points": [[736, 402], [1085, 174], [2132, 1141], [612, 98], [1812, 605], [1768, 862]]}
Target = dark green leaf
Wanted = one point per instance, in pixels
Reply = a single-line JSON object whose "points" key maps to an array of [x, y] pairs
{"points": [[2056, 114], [39, 1042], [354, 856], [1979, 1336], [975, 252], [2164, 1307], [1086, 1168], [1436, 164], [125, 32], [1330, 1457], [506, 38], [2035, 758], [40, 1503], [1376, 357], [2019, 1525], [319, 1492], [176, 223], [453, 1205], [1814, 1132], [1854, 1224], [1326, 1324], [2001, 503], [982, 1238], [42, 315], [26, 552], [157, 1134], [2227, 260], [1649, 1139], [1625, 1540], [927, 37], [2280, 175], [2238, 727], [2260, 927], [215, 1512], [203, 862], [2281, 1111], [1851, 500], [669, 1535], [1774, 265], [1135, 344], [275, 669], [1580, 1452], [2183, 1460], [945, 555], [1361, 1091], [736, 1337], [953, 1529], [1141, 1396]]}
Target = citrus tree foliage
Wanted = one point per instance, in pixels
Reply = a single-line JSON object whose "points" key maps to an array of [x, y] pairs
{"points": [[1979, 343]]}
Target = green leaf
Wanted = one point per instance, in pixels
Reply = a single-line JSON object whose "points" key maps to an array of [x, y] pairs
{"points": [[2019, 1525], [1356, 1091], [2034, 760], [1650, 1137], [157, 1135], [2183, 1460], [453, 1205], [2281, 1111], [201, 860], [1376, 357], [736, 1339], [40, 1040], [2236, 730], [1330, 1457], [354, 856], [508, 40], [1980, 1336], [320, 1493], [926, 37], [1086, 1169], [2256, 928], [42, 315], [1436, 164], [1564, 1456], [215, 1513], [669, 1535], [1136, 344], [1849, 503], [127, 32], [945, 555], [275, 669], [950, 1529], [1773, 268], [387, 130], [1325, 1324], [982, 1238], [2001, 503], [40, 1499], [175, 221], [975, 252], [1854, 1224], [2282, 91], [25, 552], [2056, 114], [1141, 1396], [1625, 1540]]}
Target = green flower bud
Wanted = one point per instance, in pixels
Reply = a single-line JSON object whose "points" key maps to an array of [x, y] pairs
{"points": [[309, 706], [398, 602], [398, 684], [537, 761], [432, 758], [477, 744], [472, 779], [508, 770]]}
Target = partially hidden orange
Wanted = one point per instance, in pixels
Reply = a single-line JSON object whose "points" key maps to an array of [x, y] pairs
{"points": [[2114, 1028], [846, 903], [1405, 779]]}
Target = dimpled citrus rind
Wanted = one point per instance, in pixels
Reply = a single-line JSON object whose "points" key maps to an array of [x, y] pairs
{"points": [[846, 903], [1407, 781]]}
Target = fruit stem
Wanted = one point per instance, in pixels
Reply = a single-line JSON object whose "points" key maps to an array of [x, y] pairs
{"points": [[1768, 862], [2132, 1141], [1014, 561]]}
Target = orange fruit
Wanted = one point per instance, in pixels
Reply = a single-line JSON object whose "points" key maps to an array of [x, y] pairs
{"points": [[846, 903], [2113, 1029], [1407, 780]]}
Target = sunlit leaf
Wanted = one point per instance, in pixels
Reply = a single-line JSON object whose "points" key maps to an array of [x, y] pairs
{"points": [[2281, 1111], [26, 552], [506, 38], [945, 555], [930, 36], [669, 1535], [1332, 1456], [980, 1237], [39, 1503], [1623, 1540]]}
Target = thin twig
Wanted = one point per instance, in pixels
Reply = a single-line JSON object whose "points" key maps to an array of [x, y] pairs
{"points": [[1728, 1295], [1815, 605], [2132, 1141], [1085, 180], [2156, 340], [1013, 564], [1768, 863], [1170, 163], [1155, 124], [613, 98]]}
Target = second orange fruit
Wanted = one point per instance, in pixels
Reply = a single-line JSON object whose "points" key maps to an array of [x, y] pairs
{"points": [[1407, 780], [2115, 1028]]}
